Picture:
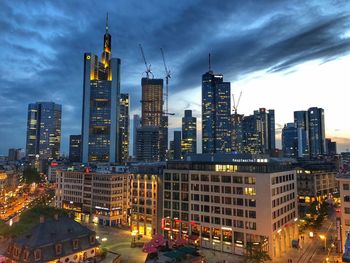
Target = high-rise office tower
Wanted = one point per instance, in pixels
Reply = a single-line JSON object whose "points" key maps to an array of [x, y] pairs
{"points": [[124, 128], [153, 121], [101, 100], [290, 140], [136, 125], [216, 113], [331, 147], [177, 145], [16, 154], [43, 130], [316, 131], [258, 132], [189, 133], [75, 148], [301, 120], [147, 143], [236, 133]]}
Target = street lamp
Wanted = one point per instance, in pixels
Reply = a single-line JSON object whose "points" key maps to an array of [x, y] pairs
{"points": [[323, 237]]}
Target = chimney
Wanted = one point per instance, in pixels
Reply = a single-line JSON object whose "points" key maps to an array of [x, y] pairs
{"points": [[42, 219], [56, 217]]}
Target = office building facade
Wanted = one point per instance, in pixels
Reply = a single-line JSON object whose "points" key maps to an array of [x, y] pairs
{"points": [[301, 120], [290, 140], [258, 132], [136, 125], [148, 144], [225, 202], [189, 133], [43, 130], [99, 197], [75, 148], [216, 113], [101, 106], [317, 138], [124, 121]]}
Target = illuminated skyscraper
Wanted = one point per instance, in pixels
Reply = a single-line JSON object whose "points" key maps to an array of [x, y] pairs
{"points": [[43, 130], [124, 128], [216, 113], [316, 131], [258, 132], [101, 105], [153, 123], [189, 133], [301, 120], [75, 148], [290, 140]]}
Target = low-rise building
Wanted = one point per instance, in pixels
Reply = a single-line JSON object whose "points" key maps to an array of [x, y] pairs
{"points": [[54, 240], [225, 201], [146, 198], [99, 196], [316, 181]]}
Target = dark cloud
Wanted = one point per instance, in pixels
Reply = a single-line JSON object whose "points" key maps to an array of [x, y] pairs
{"points": [[42, 46]]}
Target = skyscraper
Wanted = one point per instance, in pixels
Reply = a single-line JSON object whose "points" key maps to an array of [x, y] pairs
{"points": [[43, 130], [177, 145], [301, 120], [258, 132], [153, 121], [189, 133], [216, 113], [75, 148], [331, 147], [101, 100], [316, 131], [124, 128], [136, 125], [236, 132], [290, 140]]}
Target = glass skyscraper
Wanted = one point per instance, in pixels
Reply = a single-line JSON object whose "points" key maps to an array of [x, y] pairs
{"points": [[75, 148], [189, 133], [101, 106], [43, 130], [124, 128], [290, 140], [316, 132], [301, 120], [258, 132], [216, 113]]}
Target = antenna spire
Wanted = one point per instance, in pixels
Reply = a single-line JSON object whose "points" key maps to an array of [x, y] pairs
{"points": [[107, 23], [209, 63]]}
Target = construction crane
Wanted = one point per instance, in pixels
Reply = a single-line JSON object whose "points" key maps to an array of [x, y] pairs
{"points": [[235, 105], [148, 66], [167, 77]]}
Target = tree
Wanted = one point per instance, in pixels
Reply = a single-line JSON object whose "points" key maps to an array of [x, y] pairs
{"points": [[31, 175], [256, 254]]}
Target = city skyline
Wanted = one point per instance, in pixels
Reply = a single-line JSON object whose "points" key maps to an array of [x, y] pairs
{"points": [[308, 58]]}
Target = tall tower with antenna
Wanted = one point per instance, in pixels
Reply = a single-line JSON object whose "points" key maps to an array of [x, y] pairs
{"points": [[216, 112]]}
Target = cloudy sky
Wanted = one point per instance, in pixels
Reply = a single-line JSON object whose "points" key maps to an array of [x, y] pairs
{"points": [[286, 55]]}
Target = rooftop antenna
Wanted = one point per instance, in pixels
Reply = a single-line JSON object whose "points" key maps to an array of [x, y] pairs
{"points": [[209, 63], [107, 23]]}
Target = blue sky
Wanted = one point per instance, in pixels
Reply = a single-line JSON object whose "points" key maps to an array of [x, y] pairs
{"points": [[287, 55]]}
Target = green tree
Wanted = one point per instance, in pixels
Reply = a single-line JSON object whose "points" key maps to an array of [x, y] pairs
{"points": [[31, 175], [256, 254]]}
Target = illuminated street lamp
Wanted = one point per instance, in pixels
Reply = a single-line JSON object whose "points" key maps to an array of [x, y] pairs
{"points": [[323, 237]]}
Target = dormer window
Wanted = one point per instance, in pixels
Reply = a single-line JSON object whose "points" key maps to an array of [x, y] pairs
{"points": [[58, 248], [92, 239], [37, 254], [75, 244], [15, 251]]}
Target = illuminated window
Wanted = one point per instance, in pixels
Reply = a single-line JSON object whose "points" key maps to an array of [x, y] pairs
{"points": [[249, 191]]}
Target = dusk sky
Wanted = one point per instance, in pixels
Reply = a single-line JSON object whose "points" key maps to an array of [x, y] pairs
{"points": [[284, 55]]}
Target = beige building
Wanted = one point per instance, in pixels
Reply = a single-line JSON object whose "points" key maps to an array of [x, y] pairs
{"points": [[99, 196], [224, 201], [146, 198], [344, 230]]}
